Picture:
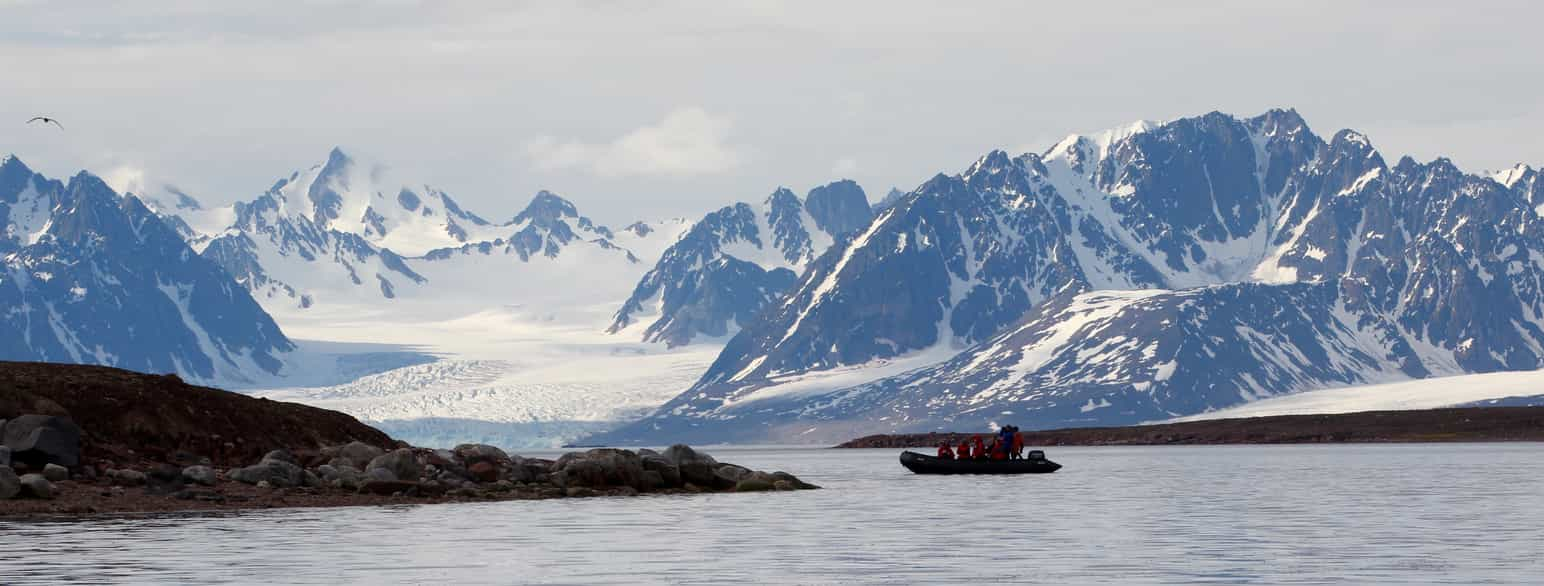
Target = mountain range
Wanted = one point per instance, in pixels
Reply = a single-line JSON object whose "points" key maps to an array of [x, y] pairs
{"points": [[1146, 272], [1138, 274]]}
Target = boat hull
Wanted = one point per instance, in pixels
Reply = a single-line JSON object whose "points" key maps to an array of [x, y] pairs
{"points": [[923, 464]]}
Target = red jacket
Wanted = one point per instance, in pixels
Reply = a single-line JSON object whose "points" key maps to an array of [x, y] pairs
{"points": [[945, 453]]}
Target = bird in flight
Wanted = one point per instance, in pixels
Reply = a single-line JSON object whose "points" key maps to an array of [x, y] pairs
{"points": [[46, 120]]}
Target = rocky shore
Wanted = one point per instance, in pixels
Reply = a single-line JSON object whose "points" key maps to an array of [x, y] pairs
{"points": [[1469, 424], [110, 441]]}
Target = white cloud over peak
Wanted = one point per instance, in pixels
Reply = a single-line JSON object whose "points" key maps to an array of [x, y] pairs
{"points": [[687, 142]]}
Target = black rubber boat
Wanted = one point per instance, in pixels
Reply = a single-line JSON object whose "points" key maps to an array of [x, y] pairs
{"points": [[1034, 463]]}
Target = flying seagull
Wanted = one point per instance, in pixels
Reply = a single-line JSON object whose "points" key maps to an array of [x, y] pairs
{"points": [[46, 120]]}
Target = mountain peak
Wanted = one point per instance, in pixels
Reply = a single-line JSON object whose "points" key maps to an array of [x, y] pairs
{"points": [[12, 164], [1509, 177], [337, 155], [547, 207], [839, 207], [782, 196]]}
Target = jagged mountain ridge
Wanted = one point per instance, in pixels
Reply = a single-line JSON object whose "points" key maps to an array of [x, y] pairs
{"points": [[344, 232], [94, 278], [1220, 218], [736, 260]]}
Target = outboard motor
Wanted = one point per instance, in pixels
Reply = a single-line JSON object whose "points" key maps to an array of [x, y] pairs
{"points": [[1036, 455]]}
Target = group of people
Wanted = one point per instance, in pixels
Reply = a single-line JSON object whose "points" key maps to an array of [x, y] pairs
{"points": [[1006, 444]]}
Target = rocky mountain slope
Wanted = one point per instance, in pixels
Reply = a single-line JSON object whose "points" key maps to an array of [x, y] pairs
{"points": [[1140, 273], [734, 261], [88, 276]]}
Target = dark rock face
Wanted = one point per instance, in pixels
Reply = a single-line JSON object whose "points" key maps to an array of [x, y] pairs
{"points": [[839, 208], [75, 255], [10, 484], [737, 261], [160, 416], [35, 486], [42, 439], [401, 463], [1278, 261]]}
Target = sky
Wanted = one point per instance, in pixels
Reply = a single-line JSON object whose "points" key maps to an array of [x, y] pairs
{"points": [[650, 110]]}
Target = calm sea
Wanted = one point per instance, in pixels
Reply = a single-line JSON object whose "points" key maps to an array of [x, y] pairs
{"points": [[1452, 513]]}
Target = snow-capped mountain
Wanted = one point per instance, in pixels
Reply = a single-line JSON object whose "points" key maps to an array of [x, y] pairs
{"points": [[1144, 272], [92, 277], [736, 260], [345, 232]]}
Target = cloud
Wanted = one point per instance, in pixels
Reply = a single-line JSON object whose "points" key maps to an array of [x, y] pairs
{"points": [[845, 167], [126, 179], [687, 142]]}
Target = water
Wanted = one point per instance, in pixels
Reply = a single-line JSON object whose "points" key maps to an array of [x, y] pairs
{"points": [[1460, 514]]}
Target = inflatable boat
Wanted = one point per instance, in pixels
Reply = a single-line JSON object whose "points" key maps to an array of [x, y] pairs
{"points": [[1033, 463]]}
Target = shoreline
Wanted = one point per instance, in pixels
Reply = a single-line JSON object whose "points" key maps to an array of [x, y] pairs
{"points": [[78, 440], [1447, 425]]}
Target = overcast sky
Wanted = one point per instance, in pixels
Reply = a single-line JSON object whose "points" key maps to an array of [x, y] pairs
{"points": [[649, 110]]}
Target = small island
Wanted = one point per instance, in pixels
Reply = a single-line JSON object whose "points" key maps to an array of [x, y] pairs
{"points": [[1464, 424], [80, 440]]}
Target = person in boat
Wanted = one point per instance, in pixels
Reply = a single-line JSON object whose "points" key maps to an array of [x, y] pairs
{"points": [[964, 451], [977, 448], [1018, 443], [944, 452]]}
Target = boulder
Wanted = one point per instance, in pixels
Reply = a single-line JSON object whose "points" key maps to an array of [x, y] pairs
{"points": [[621, 467], [474, 453], [484, 471], [527, 469], [669, 474], [36, 486], [356, 454], [43, 439], [792, 480], [5, 452], [753, 485], [756, 482], [696, 468], [380, 474], [165, 479], [199, 474], [273, 470], [579, 472], [56, 473], [346, 477], [311, 480], [126, 477], [10, 484], [402, 464], [652, 481], [726, 476], [281, 455]]}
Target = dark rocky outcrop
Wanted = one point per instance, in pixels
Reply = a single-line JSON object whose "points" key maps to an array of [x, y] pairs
{"points": [[115, 411], [43, 439]]}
